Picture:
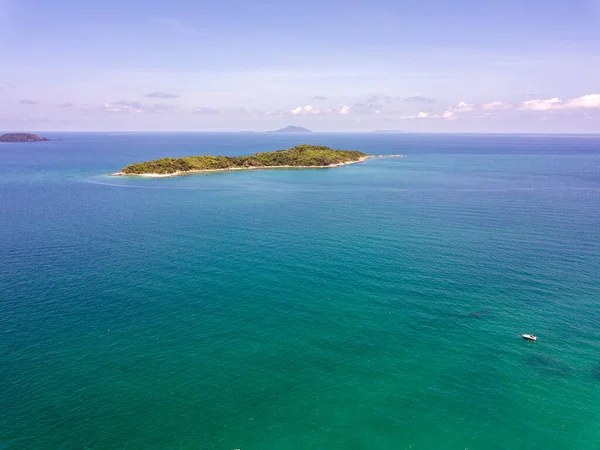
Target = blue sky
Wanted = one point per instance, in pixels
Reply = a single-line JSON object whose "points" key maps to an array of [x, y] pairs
{"points": [[353, 65]]}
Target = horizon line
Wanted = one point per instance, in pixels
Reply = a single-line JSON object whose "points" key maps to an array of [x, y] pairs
{"points": [[548, 133]]}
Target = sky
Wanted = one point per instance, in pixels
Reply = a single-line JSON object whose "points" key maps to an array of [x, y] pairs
{"points": [[524, 66]]}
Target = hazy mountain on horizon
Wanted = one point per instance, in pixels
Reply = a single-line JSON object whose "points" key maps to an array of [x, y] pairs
{"points": [[292, 129]]}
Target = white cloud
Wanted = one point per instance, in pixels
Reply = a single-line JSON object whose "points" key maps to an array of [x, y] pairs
{"points": [[448, 115], [464, 107], [126, 107], [496, 105], [586, 101], [421, 115], [303, 110], [345, 109], [122, 107], [542, 105], [309, 110], [583, 102]]}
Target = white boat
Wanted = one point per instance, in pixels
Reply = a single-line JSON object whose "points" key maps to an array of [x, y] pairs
{"points": [[530, 337]]}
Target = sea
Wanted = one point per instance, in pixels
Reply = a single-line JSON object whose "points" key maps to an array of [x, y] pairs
{"points": [[378, 305]]}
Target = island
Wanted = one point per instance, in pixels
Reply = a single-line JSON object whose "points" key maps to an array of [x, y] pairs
{"points": [[22, 137], [292, 129], [300, 156]]}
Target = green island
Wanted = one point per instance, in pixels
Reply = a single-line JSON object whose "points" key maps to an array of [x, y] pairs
{"points": [[301, 156], [22, 137]]}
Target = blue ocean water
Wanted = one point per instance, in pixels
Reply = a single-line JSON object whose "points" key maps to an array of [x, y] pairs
{"points": [[376, 305]]}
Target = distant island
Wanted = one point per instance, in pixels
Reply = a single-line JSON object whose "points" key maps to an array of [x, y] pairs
{"points": [[292, 129], [22, 137], [387, 131], [301, 156]]}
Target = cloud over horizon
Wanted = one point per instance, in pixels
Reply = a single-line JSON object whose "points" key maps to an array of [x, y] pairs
{"points": [[583, 102], [541, 105], [164, 95], [205, 111], [420, 99], [379, 98], [460, 110], [496, 105], [121, 107], [126, 107], [463, 107], [354, 114], [307, 109], [358, 108]]}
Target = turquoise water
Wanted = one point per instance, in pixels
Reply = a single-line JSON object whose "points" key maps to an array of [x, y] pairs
{"points": [[372, 306]]}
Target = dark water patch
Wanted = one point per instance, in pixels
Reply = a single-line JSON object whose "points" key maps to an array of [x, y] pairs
{"points": [[596, 372], [482, 314], [549, 365]]}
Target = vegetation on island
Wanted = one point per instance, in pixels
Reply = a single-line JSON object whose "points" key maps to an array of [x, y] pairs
{"points": [[300, 156], [22, 137]]}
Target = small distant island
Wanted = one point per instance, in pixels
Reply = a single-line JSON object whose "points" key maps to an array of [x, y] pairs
{"points": [[22, 137], [292, 129], [301, 156], [387, 131]]}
